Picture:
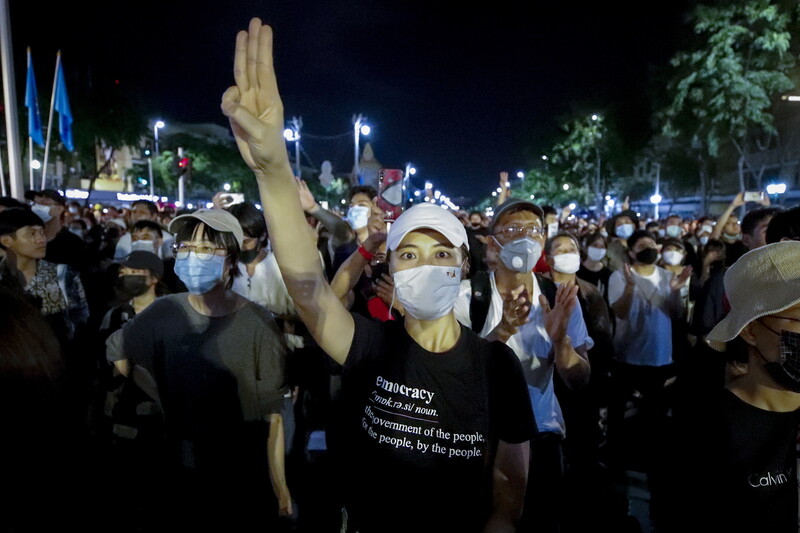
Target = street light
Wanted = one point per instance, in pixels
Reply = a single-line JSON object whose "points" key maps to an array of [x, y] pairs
{"points": [[410, 171], [360, 127], [292, 134], [521, 175], [157, 126]]}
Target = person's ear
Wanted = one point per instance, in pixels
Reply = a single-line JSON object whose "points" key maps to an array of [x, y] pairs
{"points": [[6, 240], [748, 334]]}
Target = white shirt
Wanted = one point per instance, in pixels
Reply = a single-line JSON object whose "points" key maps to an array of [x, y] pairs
{"points": [[645, 336], [533, 347]]}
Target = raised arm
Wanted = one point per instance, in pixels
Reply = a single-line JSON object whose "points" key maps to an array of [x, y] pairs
{"points": [[255, 111], [737, 201]]}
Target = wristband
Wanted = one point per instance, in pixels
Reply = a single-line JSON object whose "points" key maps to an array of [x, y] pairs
{"points": [[365, 253]]}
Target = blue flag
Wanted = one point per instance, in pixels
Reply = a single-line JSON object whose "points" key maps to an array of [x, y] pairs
{"points": [[32, 103], [64, 111]]}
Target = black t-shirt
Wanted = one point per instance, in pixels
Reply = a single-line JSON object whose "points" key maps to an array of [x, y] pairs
{"points": [[734, 468], [422, 428], [599, 278], [67, 248]]}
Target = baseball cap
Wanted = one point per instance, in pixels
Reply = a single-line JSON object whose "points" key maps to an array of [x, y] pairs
{"points": [[761, 282], [142, 260], [218, 219], [427, 216], [517, 204]]}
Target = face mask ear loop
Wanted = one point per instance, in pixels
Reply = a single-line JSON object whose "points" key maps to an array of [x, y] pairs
{"points": [[394, 292]]}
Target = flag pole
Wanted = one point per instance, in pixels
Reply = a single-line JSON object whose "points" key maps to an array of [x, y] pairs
{"points": [[30, 160], [3, 190], [10, 99], [50, 120]]}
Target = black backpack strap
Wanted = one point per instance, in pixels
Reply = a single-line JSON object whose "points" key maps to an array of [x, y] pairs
{"points": [[481, 299], [548, 288]]}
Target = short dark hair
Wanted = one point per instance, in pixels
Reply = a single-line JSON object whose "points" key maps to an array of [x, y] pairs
{"points": [[637, 235], [784, 225], [223, 239], [549, 210], [15, 218], [8, 201], [369, 190], [652, 224], [594, 236], [151, 206], [250, 218], [52, 194], [752, 218], [148, 224]]}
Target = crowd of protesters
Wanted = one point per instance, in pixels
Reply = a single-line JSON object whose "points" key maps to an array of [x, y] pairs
{"points": [[301, 369]]}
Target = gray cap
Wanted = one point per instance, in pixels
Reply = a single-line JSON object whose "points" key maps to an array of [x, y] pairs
{"points": [[218, 219]]}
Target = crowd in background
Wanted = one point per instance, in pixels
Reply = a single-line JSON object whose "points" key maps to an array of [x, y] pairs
{"points": [[73, 275]]}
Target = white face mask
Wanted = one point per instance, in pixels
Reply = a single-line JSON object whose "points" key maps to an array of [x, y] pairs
{"points": [[674, 231], [706, 229], [624, 231], [43, 211], [673, 257], [427, 292], [146, 246], [358, 216], [567, 263], [704, 240], [595, 253]]}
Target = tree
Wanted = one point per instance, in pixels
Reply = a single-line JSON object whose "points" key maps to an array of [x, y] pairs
{"points": [[723, 89], [581, 154]]}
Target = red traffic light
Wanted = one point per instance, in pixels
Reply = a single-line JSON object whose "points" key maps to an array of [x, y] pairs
{"points": [[183, 163]]}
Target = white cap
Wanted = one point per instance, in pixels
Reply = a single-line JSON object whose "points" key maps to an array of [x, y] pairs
{"points": [[427, 216]]}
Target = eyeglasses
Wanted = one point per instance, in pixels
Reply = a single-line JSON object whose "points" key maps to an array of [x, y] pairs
{"points": [[204, 252], [513, 231]]}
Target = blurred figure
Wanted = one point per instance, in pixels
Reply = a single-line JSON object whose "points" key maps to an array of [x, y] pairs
{"points": [[593, 267]]}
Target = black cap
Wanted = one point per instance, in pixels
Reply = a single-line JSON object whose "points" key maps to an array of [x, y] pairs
{"points": [[142, 260], [518, 204]]}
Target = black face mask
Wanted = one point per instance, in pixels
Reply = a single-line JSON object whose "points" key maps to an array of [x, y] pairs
{"points": [[248, 256], [785, 372], [130, 286], [647, 256]]}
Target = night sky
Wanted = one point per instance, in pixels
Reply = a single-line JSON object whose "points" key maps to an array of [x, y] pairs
{"points": [[462, 92]]}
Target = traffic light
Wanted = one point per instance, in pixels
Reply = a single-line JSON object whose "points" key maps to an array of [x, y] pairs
{"points": [[147, 151], [185, 168]]}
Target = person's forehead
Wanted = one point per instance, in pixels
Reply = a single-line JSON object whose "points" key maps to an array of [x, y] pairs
{"points": [[523, 216], [644, 242], [46, 200], [624, 219], [133, 271], [674, 220], [140, 208], [563, 242], [30, 229], [673, 247], [360, 197]]}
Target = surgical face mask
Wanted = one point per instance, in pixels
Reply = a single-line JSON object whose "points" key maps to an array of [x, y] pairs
{"points": [[130, 286], [661, 232], [567, 263], [703, 240], [624, 230], [706, 228], [76, 231], [648, 256], [73, 209], [595, 253], [604, 233], [520, 255], [144, 246], [358, 216], [200, 276], [674, 231], [427, 292], [43, 211], [673, 257], [785, 372], [732, 236]]}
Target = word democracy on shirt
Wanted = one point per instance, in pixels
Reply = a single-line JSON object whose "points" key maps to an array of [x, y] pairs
{"points": [[411, 392]]}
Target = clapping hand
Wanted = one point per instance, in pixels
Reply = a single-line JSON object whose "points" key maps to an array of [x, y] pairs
{"points": [[556, 319], [680, 280]]}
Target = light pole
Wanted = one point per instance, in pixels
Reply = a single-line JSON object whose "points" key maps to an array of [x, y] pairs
{"points": [[410, 171], [293, 135], [360, 127], [157, 126], [149, 156]]}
